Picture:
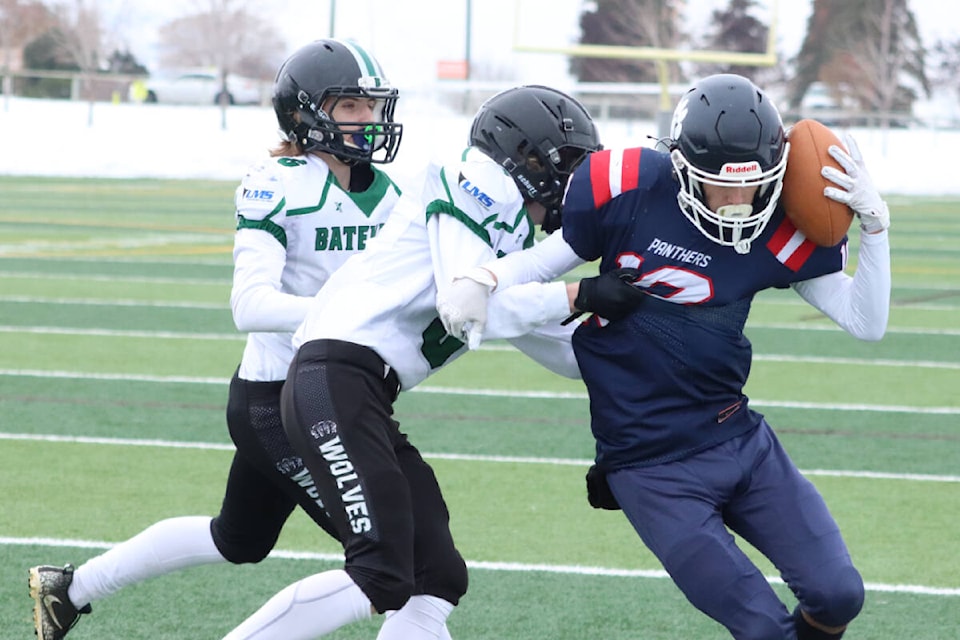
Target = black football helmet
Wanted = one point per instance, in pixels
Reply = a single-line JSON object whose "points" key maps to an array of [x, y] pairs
{"points": [[727, 132], [336, 69], [538, 135]]}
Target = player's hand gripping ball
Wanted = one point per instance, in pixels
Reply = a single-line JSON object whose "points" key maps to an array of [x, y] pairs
{"points": [[822, 220]]}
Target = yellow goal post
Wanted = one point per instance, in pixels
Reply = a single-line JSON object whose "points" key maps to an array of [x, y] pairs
{"points": [[658, 55]]}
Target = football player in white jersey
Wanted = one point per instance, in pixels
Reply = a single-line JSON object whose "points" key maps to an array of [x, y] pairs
{"points": [[315, 201], [374, 330]]}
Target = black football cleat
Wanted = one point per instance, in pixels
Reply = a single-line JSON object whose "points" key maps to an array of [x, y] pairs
{"points": [[53, 613]]}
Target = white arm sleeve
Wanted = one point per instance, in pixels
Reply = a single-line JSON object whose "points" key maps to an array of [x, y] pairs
{"points": [[454, 248], [550, 347], [860, 305], [543, 262], [257, 302], [522, 308]]}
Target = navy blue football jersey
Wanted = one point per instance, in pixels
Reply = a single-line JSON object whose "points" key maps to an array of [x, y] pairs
{"points": [[668, 380]]}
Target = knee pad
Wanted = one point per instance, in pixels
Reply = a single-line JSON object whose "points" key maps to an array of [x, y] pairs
{"points": [[837, 598], [387, 591], [452, 583], [239, 547]]}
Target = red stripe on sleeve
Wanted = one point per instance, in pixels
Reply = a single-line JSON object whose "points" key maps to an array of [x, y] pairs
{"points": [[782, 236], [600, 177], [630, 174], [800, 255]]}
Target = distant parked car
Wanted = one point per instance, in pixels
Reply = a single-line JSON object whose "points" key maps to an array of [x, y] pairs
{"points": [[198, 87]]}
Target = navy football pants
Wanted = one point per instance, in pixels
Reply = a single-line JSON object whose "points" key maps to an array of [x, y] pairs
{"points": [[682, 510]]}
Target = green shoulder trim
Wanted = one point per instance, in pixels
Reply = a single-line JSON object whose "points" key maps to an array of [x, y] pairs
{"points": [[478, 228], [331, 181], [441, 206], [267, 224], [522, 216], [367, 201]]}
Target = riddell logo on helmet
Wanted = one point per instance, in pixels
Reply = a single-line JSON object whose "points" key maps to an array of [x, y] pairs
{"points": [[740, 168]]}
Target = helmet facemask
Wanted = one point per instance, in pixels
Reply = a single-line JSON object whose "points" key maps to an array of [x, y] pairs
{"points": [[310, 85], [726, 132], [553, 176], [350, 142], [734, 226]]}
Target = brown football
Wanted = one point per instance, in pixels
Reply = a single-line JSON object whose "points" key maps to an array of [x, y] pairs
{"points": [[822, 220]]}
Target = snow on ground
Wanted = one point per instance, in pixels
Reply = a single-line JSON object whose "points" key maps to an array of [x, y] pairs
{"points": [[63, 138]]}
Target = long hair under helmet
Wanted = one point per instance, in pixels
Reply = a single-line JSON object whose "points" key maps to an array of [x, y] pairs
{"points": [[336, 69], [727, 132]]}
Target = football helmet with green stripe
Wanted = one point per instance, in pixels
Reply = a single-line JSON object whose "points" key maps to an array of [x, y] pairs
{"points": [[310, 83]]}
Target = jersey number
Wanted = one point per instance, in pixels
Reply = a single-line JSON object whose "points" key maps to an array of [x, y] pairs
{"points": [[675, 284], [437, 345]]}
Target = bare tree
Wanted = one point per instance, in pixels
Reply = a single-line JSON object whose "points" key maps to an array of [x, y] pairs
{"points": [[945, 65], [867, 51], [226, 34], [81, 34], [21, 22], [80, 37], [873, 70]]}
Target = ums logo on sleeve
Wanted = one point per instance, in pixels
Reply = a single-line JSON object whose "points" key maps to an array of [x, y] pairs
{"points": [[485, 201], [258, 194]]}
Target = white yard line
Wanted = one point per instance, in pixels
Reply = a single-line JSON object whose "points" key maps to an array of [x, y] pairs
{"points": [[919, 331], [174, 335], [501, 393], [104, 302], [122, 333], [92, 277], [490, 566], [466, 457]]}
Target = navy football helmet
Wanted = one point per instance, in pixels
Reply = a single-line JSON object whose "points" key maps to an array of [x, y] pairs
{"points": [[336, 69], [538, 135], [727, 132]]}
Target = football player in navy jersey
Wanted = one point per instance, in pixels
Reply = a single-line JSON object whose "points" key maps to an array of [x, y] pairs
{"points": [[678, 449]]}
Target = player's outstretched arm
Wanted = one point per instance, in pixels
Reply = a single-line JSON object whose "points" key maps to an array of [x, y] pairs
{"points": [[860, 305]]}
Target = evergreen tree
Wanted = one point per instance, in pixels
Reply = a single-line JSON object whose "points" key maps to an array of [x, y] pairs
{"points": [[735, 29], [47, 53], [124, 62], [633, 23]]}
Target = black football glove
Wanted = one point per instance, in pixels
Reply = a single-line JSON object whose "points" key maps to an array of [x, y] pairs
{"points": [[610, 295], [598, 491]]}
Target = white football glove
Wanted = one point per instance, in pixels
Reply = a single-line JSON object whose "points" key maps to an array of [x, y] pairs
{"points": [[856, 187], [463, 305]]}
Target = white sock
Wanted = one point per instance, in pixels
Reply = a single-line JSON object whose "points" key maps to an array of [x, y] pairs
{"points": [[422, 617], [164, 547], [307, 609]]}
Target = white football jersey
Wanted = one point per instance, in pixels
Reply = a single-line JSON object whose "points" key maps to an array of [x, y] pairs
{"points": [[295, 227], [458, 215]]}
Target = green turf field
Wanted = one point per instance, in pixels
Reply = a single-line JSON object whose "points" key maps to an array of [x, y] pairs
{"points": [[116, 344]]}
